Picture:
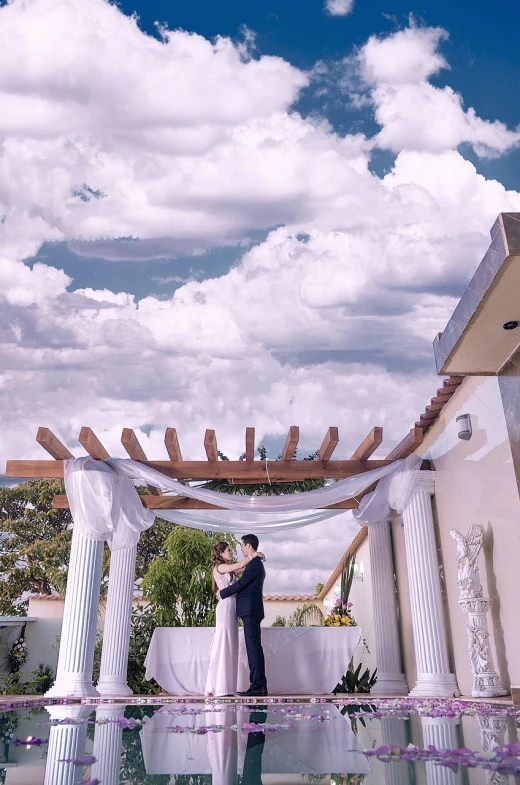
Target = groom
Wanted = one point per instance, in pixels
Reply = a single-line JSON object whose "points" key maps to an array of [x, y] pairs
{"points": [[250, 608]]}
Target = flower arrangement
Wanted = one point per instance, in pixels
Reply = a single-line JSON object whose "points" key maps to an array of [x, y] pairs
{"points": [[340, 615], [347, 779], [18, 655]]}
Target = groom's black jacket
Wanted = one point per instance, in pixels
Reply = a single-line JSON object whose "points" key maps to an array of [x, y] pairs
{"points": [[249, 590]]}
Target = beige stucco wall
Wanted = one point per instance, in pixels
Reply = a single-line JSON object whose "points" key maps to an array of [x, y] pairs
{"points": [[274, 608], [475, 483]]}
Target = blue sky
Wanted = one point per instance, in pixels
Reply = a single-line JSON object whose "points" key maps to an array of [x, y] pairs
{"points": [[259, 216], [484, 66]]}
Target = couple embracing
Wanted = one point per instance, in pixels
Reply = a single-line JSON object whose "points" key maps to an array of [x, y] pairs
{"points": [[237, 599]]}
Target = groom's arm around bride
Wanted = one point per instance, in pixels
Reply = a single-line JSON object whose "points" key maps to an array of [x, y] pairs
{"points": [[250, 608]]}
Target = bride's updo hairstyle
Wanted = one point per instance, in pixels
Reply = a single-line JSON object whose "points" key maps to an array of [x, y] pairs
{"points": [[216, 559]]}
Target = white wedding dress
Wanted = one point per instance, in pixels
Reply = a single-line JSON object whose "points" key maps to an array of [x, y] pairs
{"points": [[223, 653]]}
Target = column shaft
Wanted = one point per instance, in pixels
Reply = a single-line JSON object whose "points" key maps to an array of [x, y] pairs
{"points": [[394, 734], [108, 740], [442, 733], [390, 678], [66, 742], [431, 651], [78, 632], [116, 632]]}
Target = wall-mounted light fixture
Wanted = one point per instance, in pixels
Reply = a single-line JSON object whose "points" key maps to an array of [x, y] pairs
{"points": [[464, 426], [358, 572]]}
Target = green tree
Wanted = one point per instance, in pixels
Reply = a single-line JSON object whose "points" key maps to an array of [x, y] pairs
{"points": [[319, 588], [179, 585], [34, 551], [264, 489], [35, 548]]}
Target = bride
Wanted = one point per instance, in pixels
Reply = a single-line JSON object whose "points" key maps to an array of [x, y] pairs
{"points": [[223, 653]]}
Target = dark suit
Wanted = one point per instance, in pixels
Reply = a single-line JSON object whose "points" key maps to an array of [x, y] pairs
{"points": [[250, 608], [252, 772]]}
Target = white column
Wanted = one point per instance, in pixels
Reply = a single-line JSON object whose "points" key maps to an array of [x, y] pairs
{"points": [[66, 742], [390, 678], [394, 734], [431, 652], [492, 734], [116, 631], [108, 739], [442, 733], [78, 632]]}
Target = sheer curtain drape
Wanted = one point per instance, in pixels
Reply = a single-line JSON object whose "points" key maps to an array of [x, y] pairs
{"points": [[106, 506]]}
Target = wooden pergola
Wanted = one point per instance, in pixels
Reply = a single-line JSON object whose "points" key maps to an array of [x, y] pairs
{"points": [[242, 472]]}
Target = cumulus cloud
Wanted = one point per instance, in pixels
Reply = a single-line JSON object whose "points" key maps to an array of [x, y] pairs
{"points": [[189, 144], [414, 114], [339, 7]]}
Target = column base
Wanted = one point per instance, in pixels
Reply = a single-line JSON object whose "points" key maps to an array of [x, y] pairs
{"points": [[390, 684], [487, 685], [113, 688], [73, 687], [435, 685]]}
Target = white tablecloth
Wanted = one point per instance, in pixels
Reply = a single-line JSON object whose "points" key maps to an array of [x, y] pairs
{"points": [[299, 660], [310, 747]]}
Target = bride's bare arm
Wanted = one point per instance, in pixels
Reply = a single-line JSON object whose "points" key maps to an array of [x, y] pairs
{"points": [[239, 567]]}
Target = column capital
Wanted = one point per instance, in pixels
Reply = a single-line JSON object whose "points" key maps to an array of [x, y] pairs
{"points": [[426, 482]]}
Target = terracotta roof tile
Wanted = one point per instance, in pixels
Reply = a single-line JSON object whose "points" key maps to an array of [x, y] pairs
{"points": [[289, 597]]}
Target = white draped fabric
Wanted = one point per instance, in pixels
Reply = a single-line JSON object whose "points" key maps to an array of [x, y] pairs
{"points": [[178, 658], [106, 506]]}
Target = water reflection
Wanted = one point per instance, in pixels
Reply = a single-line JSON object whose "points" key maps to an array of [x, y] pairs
{"points": [[309, 747], [198, 744]]}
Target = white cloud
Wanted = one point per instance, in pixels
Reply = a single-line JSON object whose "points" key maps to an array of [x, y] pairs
{"points": [[339, 7], [414, 114], [189, 144]]}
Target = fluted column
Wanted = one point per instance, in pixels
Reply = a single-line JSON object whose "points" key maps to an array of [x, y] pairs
{"points": [[78, 632], [108, 740], [442, 733], [390, 678], [66, 742], [431, 652], [116, 631], [394, 733]]}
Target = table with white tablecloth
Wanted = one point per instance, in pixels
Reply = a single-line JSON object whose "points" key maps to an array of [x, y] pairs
{"points": [[306, 747], [298, 660]]}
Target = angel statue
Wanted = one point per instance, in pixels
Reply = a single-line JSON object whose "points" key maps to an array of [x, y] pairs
{"points": [[468, 549]]}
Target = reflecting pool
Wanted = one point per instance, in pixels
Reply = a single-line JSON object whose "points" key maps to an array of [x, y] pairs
{"points": [[273, 744]]}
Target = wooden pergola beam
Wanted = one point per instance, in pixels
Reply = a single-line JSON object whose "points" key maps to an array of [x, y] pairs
{"points": [[407, 446], [52, 444], [210, 445], [171, 442], [276, 471], [329, 444], [61, 502], [369, 444], [250, 444], [90, 442], [291, 443], [132, 446]]}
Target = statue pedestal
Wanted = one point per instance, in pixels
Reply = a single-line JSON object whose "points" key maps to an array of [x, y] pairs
{"points": [[486, 681]]}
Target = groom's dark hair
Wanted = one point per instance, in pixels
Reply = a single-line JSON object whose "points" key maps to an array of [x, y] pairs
{"points": [[252, 540]]}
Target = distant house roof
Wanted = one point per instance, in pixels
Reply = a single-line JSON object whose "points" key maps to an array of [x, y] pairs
{"points": [[289, 597]]}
